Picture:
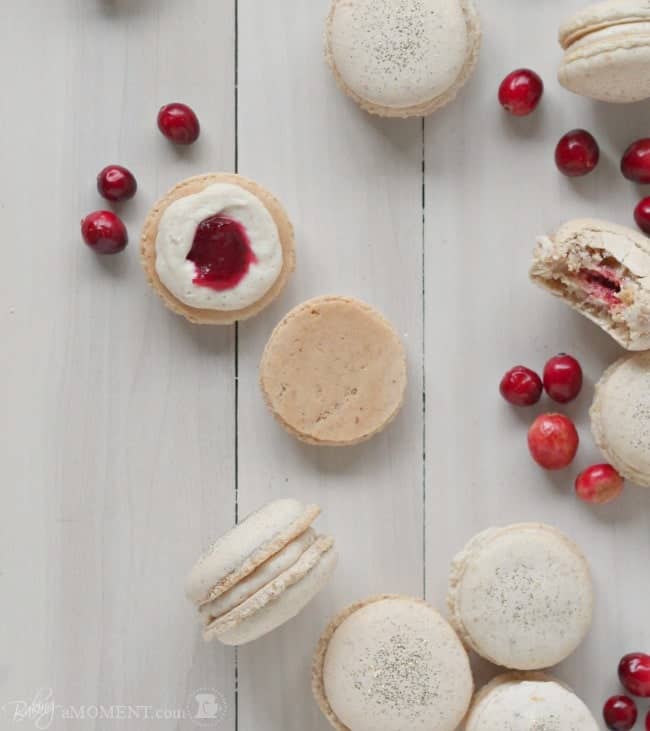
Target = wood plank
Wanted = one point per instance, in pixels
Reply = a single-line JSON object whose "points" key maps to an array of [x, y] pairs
{"points": [[351, 184], [491, 188], [118, 426]]}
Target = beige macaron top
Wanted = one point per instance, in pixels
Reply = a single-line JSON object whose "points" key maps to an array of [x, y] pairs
{"points": [[607, 51], [620, 417], [528, 702], [521, 596], [389, 663], [400, 58], [333, 371], [195, 186]]}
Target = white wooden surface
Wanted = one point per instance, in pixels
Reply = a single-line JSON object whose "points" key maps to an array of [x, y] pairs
{"points": [[124, 447]]}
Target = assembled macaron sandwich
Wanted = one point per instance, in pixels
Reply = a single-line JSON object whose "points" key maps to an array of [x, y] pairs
{"points": [[389, 663], [402, 58], [620, 417], [607, 51], [602, 270], [525, 702], [217, 248], [521, 596], [261, 573]]}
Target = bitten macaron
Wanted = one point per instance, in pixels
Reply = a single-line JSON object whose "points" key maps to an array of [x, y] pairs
{"points": [[217, 248], [527, 701], [389, 663], [261, 573], [620, 417], [334, 372], [607, 51], [402, 58], [521, 596], [602, 270]]}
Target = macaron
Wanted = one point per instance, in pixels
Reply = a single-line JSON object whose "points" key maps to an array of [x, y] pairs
{"points": [[620, 417], [389, 663], [261, 573], [217, 248], [402, 58], [602, 270], [607, 51], [334, 372], [525, 702], [521, 596]]}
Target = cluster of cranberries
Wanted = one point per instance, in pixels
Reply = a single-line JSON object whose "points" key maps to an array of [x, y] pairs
{"points": [[577, 153], [104, 231], [553, 438], [620, 711]]}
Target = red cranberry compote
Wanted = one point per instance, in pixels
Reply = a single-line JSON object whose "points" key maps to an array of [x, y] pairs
{"points": [[221, 253], [634, 673], [602, 284], [620, 713], [520, 92], [577, 153]]}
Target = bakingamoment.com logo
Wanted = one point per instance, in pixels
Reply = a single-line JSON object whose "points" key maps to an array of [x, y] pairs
{"points": [[205, 707]]}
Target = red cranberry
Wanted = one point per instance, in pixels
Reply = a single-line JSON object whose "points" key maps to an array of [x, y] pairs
{"points": [[104, 232], [520, 92], [521, 387], [577, 153], [634, 673], [642, 215], [553, 441], [635, 163], [620, 713], [599, 484], [179, 123], [562, 378], [116, 183]]}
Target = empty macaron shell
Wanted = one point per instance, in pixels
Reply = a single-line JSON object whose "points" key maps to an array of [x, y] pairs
{"points": [[261, 573], [528, 701], [402, 57], [390, 663], [620, 417], [334, 372], [607, 51], [521, 596]]}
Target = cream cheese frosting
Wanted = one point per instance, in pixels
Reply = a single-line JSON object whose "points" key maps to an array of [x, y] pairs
{"points": [[176, 232], [527, 705], [399, 53], [521, 596]]}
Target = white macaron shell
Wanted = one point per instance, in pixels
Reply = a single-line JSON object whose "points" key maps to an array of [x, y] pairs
{"points": [[262, 576], [230, 551], [623, 414], [395, 664], [399, 53], [524, 596], [530, 705], [288, 604]]}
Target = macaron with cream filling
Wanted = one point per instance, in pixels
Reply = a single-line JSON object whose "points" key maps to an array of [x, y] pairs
{"points": [[217, 248], [261, 573], [521, 596], [402, 58], [607, 51], [620, 417], [389, 663]]}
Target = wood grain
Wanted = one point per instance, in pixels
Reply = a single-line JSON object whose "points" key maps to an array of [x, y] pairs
{"points": [[129, 438]]}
